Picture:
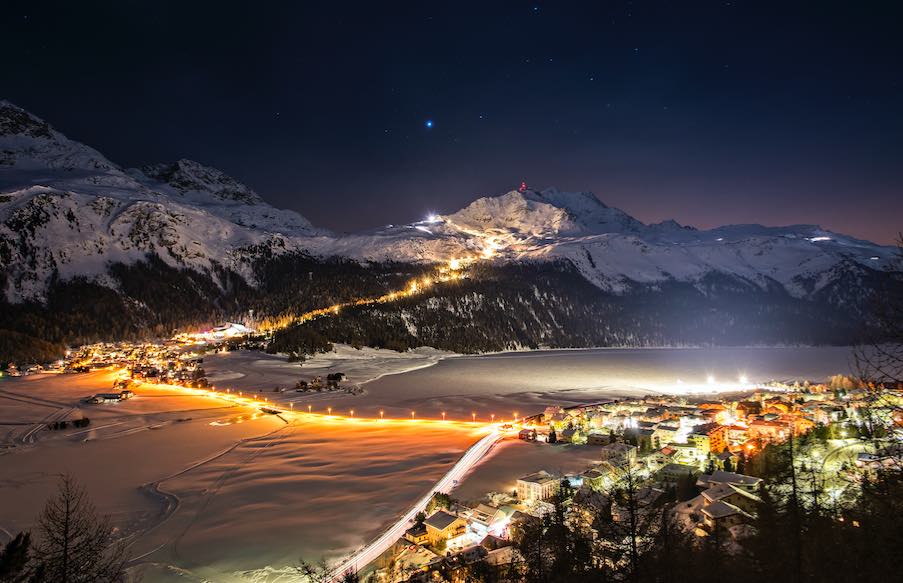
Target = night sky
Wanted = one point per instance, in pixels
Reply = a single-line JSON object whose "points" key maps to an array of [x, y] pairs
{"points": [[705, 112]]}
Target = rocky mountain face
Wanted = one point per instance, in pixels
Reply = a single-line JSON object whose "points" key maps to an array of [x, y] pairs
{"points": [[72, 220]]}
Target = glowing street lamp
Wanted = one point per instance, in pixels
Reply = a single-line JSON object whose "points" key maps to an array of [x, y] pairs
{"points": [[473, 416], [308, 408], [329, 409], [443, 415], [352, 413], [381, 413], [412, 415], [515, 416], [492, 417], [292, 405]]}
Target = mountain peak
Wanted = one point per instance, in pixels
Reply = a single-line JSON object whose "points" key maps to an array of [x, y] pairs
{"points": [[186, 176], [28, 142], [15, 121]]}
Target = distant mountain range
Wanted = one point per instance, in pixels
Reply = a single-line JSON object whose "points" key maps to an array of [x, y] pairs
{"points": [[69, 216]]}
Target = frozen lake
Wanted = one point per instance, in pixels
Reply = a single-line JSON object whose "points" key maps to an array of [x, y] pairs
{"points": [[527, 381]]}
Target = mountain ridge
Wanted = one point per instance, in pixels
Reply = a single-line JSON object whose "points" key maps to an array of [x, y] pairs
{"points": [[68, 214]]}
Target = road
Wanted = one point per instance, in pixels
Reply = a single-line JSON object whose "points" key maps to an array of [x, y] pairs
{"points": [[377, 547]]}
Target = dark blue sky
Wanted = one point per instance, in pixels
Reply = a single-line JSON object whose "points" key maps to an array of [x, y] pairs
{"points": [[706, 112]]}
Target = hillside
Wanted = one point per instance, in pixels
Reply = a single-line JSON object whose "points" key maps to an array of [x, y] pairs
{"points": [[90, 250]]}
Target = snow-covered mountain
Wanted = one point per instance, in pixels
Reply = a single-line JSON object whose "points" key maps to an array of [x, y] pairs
{"points": [[616, 251], [66, 211]]}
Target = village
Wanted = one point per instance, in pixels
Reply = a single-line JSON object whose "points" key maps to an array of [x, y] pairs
{"points": [[697, 459], [176, 362], [694, 457]]}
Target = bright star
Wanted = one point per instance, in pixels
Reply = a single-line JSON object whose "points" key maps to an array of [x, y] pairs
{"points": [[429, 124]]}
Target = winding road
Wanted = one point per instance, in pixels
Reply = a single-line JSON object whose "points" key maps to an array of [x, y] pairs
{"points": [[381, 544]]}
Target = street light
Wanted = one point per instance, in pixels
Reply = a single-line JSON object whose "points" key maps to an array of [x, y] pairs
{"points": [[443, 415], [412, 415], [329, 409], [492, 417], [473, 416], [381, 413], [352, 413], [308, 408]]}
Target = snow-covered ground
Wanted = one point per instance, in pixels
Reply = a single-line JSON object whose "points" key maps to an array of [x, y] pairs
{"points": [[253, 371], [205, 490]]}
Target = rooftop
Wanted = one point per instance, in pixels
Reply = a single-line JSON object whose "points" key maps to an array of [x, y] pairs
{"points": [[540, 477], [440, 520]]}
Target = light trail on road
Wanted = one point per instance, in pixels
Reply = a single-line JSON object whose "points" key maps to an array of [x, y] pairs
{"points": [[381, 544]]}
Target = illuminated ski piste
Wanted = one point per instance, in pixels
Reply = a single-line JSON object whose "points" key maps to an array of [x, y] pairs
{"points": [[381, 544]]}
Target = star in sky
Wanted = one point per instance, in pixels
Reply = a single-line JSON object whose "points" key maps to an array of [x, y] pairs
{"points": [[429, 124]]}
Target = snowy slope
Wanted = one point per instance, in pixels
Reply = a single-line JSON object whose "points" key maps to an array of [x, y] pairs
{"points": [[614, 251], [65, 211]]}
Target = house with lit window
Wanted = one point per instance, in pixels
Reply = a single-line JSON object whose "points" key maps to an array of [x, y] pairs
{"points": [[708, 438], [619, 454], [538, 486], [442, 526]]}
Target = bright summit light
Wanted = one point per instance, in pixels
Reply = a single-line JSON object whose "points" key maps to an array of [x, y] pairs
{"points": [[432, 218]]}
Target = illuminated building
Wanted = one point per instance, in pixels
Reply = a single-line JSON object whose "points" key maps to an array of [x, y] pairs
{"points": [[538, 486], [708, 438], [442, 525]]}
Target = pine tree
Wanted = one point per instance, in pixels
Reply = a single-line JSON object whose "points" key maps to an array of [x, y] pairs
{"points": [[76, 546]]}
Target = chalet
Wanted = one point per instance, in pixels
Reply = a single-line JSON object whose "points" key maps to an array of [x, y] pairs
{"points": [[733, 495], [672, 473], [721, 515], [417, 534], [601, 476], [598, 439], [748, 483], [442, 525], [618, 453], [485, 519], [663, 434]]}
